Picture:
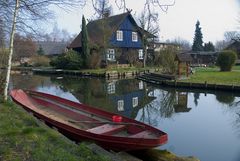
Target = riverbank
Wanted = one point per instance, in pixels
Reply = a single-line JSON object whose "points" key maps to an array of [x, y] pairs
{"points": [[203, 79], [107, 73], [212, 75], [23, 137]]}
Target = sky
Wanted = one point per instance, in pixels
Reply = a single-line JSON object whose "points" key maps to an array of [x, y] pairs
{"points": [[215, 16]]}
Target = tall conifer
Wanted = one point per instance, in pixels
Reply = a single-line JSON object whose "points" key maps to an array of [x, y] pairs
{"points": [[197, 41], [84, 41]]}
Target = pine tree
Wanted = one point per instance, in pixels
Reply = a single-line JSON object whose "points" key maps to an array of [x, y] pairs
{"points": [[40, 50], [197, 41], [84, 41], [209, 46]]}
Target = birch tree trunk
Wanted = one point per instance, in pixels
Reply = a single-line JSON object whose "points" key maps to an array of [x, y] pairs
{"points": [[9, 64]]}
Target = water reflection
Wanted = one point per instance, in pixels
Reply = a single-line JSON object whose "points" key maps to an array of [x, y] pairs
{"points": [[199, 123]]}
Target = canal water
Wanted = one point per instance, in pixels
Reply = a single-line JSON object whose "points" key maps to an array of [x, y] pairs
{"points": [[199, 123]]}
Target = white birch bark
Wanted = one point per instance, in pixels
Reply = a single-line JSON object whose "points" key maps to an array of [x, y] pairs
{"points": [[9, 64]]}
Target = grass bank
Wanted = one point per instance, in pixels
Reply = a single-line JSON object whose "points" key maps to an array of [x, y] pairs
{"points": [[214, 76], [22, 137]]}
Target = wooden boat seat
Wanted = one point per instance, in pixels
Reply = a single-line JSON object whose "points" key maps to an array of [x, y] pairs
{"points": [[106, 129], [143, 134]]}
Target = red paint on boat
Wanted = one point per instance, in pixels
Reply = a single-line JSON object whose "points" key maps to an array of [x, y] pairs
{"points": [[82, 122]]}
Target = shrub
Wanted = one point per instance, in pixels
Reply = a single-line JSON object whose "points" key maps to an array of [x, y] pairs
{"points": [[94, 60], [39, 61], [166, 59], [226, 59], [70, 60], [132, 57]]}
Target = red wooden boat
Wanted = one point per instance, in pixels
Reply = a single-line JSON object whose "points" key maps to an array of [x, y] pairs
{"points": [[82, 122]]}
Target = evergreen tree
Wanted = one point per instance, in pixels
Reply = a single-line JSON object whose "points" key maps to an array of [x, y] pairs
{"points": [[197, 41], [209, 46], [84, 41], [40, 51]]}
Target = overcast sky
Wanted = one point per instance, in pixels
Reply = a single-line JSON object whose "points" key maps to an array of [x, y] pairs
{"points": [[215, 16]]}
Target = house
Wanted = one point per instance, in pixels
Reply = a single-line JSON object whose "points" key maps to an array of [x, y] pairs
{"points": [[119, 35], [203, 58], [52, 48], [158, 46]]}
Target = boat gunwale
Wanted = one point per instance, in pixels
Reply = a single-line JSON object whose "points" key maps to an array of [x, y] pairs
{"points": [[140, 142]]}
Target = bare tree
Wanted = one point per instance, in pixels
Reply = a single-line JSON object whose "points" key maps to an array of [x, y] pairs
{"points": [[24, 47], [232, 35], [149, 25], [22, 14], [2, 35], [184, 44], [122, 4], [102, 8], [55, 34]]}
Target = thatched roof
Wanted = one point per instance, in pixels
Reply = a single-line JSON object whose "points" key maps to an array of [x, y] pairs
{"points": [[106, 26]]}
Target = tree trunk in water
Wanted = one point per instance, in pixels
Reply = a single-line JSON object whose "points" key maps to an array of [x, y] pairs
{"points": [[145, 56], [11, 50]]}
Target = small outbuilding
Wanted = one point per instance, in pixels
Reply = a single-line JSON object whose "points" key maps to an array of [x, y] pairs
{"points": [[184, 61]]}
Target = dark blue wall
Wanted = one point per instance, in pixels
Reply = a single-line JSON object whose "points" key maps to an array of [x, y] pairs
{"points": [[127, 98], [127, 27]]}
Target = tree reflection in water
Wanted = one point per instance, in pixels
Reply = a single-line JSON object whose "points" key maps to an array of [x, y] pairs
{"points": [[232, 103], [161, 107], [235, 108]]}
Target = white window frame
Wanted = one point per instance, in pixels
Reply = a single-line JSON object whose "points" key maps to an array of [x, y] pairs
{"points": [[111, 88], [140, 85], [140, 54], [119, 35], [111, 54], [120, 105], [135, 101], [134, 36]]}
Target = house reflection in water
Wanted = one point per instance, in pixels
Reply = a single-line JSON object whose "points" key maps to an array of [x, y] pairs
{"points": [[111, 87], [182, 100], [127, 96]]}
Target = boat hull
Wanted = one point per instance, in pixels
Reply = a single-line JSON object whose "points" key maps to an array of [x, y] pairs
{"points": [[107, 141]]}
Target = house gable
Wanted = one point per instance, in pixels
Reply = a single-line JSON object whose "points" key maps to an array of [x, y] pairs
{"points": [[108, 27], [127, 26]]}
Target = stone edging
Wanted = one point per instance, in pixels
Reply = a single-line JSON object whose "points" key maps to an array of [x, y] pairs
{"points": [[177, 84]]}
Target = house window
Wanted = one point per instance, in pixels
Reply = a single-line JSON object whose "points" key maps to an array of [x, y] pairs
{"points": [[119, 35], [140, 53], [110, 54], [134, 37], [140, 85], [135, 101], [120, 105], [111, 88]]}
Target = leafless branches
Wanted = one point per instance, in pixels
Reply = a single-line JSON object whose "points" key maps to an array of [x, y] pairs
{"points": [[162, 4], [102, 8], [24, 14], [33, 13]]}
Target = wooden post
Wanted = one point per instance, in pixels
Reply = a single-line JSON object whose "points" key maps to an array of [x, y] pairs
{"points": [[187, 70], [179, 68]]}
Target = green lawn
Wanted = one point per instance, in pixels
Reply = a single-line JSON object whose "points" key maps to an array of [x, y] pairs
{"points": [[214, 76], [22, 137]]}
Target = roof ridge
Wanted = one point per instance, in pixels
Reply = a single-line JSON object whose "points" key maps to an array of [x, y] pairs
{"points": [[113, 16]]}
